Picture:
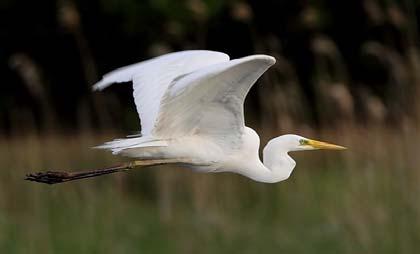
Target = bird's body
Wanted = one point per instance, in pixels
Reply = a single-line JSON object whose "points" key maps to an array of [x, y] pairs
{"points": [[191, 109], [202, 154]]}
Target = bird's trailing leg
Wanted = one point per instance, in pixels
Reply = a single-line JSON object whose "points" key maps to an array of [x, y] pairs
{"points": [[53, 177]]}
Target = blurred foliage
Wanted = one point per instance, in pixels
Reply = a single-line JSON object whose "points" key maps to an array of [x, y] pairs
{"points": [[353, 60], [364, 200]]}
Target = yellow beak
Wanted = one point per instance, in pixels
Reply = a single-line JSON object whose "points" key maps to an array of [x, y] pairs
{"points": [[323, 145]]}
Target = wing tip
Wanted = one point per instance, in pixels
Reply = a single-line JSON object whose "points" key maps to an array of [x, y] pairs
{"points": [[100, 85], [269, 59]]}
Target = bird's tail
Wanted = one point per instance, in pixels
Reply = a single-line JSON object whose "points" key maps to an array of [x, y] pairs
{"points": [[118, 145]]}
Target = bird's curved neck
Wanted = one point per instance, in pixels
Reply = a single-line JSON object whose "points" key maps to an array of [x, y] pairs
{"points": [[276, 166]]}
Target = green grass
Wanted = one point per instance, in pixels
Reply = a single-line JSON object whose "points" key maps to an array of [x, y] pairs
{"points": [[365, 200]]}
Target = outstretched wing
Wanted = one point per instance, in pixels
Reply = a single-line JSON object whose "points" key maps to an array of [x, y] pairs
{"points": [[210, 101], [152, 78]]}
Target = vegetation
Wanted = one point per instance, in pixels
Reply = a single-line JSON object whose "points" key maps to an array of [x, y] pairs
{"points": [[364, 200]]}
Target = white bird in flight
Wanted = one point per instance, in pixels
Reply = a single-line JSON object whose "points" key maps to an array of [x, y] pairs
{"points": [[190, 105]]}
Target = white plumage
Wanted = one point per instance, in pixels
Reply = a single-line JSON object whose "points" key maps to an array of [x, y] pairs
{"points": [[191, 108], [152, 78]]}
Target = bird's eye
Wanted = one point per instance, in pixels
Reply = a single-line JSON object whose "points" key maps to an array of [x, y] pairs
{"points": [[303, 142]]}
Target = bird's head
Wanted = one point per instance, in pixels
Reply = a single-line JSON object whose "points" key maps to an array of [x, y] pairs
{"points": [[275, 155], [293, 142]]}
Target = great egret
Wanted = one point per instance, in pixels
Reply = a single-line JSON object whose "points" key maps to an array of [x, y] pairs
{"points": [[190, 105]]}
